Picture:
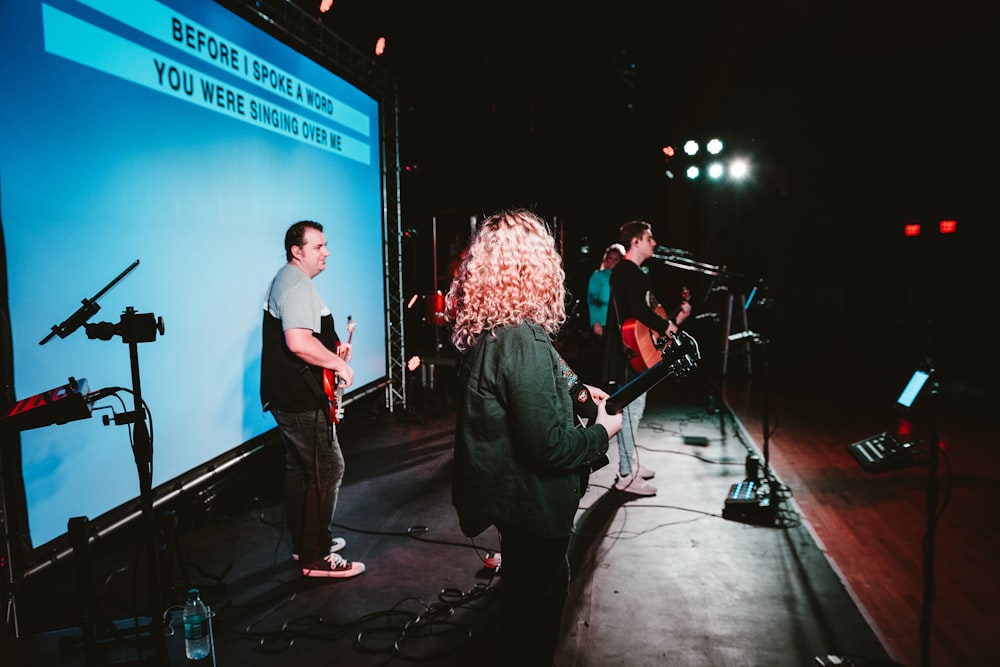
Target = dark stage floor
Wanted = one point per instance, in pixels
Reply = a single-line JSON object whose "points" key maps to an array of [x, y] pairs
{"points": [[831, 569]]}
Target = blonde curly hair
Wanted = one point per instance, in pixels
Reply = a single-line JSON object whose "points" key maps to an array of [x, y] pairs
{"points": [[511, 273]]}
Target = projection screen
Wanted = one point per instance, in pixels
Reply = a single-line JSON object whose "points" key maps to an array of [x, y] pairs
{"points": [[179, 135]]}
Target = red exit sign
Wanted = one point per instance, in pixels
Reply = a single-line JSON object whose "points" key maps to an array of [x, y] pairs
{"points": [[944, 227]]}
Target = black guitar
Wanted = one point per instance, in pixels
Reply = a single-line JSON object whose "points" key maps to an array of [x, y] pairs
{"points": [[679, 360]]}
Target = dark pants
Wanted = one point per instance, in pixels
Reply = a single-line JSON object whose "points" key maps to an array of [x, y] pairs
{"points": [[314, 469], [534, 583]]}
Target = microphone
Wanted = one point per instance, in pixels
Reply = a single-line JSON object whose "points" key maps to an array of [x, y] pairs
{"points": [[664, 250]]}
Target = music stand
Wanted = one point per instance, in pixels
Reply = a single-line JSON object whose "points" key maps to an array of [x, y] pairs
{"points": [[882, 453]]}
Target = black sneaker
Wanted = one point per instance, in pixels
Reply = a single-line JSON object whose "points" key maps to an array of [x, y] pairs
{"points": [[333, 565]]}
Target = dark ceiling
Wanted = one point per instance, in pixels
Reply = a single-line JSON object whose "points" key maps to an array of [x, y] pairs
{"points": [[857, 117], [566, 105]]}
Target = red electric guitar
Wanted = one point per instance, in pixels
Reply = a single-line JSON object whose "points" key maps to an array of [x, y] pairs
{"points": [[332, 387]]}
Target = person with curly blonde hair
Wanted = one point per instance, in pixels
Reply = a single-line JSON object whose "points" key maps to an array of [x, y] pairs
{"points": [[520, 464]]}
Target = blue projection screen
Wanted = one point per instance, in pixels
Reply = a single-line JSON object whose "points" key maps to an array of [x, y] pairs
{"points": [[177, 134]]}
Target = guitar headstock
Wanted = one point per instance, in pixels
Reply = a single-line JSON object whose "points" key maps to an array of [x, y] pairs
{"points": [[681, 355]]}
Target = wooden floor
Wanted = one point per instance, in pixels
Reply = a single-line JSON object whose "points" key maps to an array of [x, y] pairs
{"points": [[834, 570], [874, 528]]}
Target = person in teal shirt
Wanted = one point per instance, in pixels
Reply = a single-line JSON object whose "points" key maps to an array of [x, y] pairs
{"points": [[520, 463], [599, 288]]}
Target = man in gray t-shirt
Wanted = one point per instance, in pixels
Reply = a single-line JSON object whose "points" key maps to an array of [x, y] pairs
{"points": [[300, 350]]}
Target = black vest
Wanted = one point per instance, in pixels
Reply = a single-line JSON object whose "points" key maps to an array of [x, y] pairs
{"points": [[287, 382]]}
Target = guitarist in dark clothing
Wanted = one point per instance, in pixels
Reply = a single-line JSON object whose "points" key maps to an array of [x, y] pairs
{"points": [[631, 299]]}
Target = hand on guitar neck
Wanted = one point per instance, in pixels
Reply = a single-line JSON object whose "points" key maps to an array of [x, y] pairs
{"points": [[680, 311]]}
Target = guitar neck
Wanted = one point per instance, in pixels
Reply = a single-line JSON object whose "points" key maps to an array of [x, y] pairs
{"points": [[638, 386]]}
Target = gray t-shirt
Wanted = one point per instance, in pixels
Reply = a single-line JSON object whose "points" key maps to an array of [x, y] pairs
{"points": [[293, 299]]}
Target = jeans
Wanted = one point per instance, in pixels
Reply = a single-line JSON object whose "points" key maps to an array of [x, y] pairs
{"points": [[314, 470], [631, 415]]}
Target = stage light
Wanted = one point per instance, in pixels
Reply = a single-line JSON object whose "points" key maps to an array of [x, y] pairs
{"points": [[691, 147], [716, 171], [380, 46], [738, 169], [714, 146], [324, 6], [911, 229], [947, 226], [668, 151], [693, 172]]}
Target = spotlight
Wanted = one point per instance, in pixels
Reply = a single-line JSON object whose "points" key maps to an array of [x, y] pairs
{"points": [[714, 146], [738, 168], [691, 147]]}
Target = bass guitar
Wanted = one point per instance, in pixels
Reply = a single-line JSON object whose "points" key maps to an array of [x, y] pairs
{"points": [[648, 347], [332, 387]]}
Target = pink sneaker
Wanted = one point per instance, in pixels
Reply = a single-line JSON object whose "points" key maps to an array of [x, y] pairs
{"points": [[635, 485]]}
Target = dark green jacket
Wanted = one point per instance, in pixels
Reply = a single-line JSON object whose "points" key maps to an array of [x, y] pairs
{"points": [[518, 458]]}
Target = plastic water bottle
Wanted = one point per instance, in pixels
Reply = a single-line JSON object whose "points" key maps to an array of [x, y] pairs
{"points": [[197, 643]]}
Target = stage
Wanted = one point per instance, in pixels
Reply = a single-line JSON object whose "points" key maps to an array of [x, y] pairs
{"points": [[830, 568]]}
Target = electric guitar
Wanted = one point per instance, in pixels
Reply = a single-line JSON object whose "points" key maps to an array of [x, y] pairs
{"points": [[648, 347], [678, 359], [332, 387]]}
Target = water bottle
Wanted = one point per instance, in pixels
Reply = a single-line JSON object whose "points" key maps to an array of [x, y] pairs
{"points": [[197, 643]]}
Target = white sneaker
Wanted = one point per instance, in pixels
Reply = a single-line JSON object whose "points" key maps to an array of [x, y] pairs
{"points": [[338, 544], [333, 565]]}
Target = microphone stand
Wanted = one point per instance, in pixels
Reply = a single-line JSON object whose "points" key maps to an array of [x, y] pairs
{"points": [[682, 260], [137, 328], [84, 312], [929, 537]]}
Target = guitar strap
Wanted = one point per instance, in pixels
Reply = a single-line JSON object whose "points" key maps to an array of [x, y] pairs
{"points": [[629, 352]]}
